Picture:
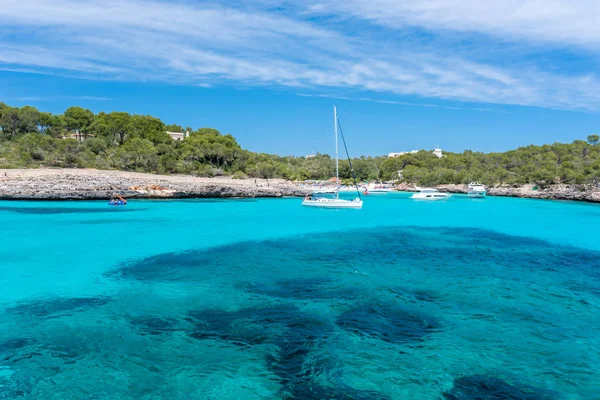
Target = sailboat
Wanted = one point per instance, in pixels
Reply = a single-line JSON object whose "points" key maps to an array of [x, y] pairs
{"points": [[334, 201]]}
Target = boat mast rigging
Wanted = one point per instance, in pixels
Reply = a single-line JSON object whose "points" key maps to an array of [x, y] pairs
{"points": [[338, 124], [337, 164]]}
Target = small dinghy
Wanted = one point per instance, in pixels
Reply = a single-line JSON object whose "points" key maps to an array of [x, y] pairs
{"points": [[117, 200]]}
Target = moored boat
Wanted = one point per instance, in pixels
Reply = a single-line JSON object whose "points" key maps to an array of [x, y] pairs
{"points": [[332, 200], [376, 188], [117, 200], [476, 190], [430, 195]]}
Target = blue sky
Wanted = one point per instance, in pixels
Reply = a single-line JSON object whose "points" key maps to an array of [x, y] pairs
{"points": [[467, 74]]}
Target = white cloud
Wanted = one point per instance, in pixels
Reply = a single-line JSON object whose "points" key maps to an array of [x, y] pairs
{"points": [[37, 56], [209, 44], [558, 21]]}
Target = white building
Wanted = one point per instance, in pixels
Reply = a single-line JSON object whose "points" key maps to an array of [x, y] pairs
{"points": [[437, 152], [311, 155], [178, 135], [394, 155]]}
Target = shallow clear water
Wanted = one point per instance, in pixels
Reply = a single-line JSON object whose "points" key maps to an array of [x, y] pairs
{"points": [[241, 299]]}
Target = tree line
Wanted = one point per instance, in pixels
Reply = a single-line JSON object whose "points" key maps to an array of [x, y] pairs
{"points": [[78, 138]]}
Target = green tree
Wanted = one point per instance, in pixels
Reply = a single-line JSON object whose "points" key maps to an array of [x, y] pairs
{"points": [[119, 125], [57, 126], [164, 148], [97, 145], [9, 121], [78, 120], [2, 108], [45, 121], [174, 128], [390, 168], [150, 128], [499, 175], [168, 163], [593, 139], [542, 177], [138, 153], [209, 146], [29, 118], [263, 169], [413, 174], [567, 173]]}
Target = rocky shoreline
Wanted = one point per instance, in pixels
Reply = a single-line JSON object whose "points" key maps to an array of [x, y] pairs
{"points": [[89, 184], [573, 192]]}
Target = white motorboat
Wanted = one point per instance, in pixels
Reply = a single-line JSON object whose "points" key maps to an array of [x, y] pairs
{"points": [[476, 190], [332, 200], [375, 188], [430, 194], [324, 191]]}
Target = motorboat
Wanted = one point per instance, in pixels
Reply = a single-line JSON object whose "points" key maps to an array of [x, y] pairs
{"points": [[476, 190], [430, 194], [332, 200], [323, 191], [375, 188]]}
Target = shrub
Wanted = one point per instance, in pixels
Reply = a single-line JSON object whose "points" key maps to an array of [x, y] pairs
{"points": [[205, 171], [239, 175]]}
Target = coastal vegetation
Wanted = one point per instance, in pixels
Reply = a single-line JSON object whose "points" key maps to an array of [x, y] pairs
{"points": [[78, 138]]}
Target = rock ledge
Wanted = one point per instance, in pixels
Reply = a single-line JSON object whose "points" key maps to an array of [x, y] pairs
{"points": [[89, 184]]}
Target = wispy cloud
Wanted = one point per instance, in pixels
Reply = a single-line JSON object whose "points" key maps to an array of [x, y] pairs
{"points": [[400, 103], [54, 98], [350, 46], [29, 98], [94, 98], [564, 22]]}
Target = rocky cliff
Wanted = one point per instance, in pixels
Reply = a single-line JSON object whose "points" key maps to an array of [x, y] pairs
{"points": [[74, 184]]}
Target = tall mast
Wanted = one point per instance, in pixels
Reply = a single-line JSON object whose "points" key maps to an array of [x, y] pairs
{"points": [[337, 164]]}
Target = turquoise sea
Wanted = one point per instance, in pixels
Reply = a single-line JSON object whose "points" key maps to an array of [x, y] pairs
{"points": [[263, 299]]}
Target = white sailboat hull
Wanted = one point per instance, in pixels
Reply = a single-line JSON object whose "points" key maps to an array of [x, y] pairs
{"points": [[333, 203], [330, 192]]}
